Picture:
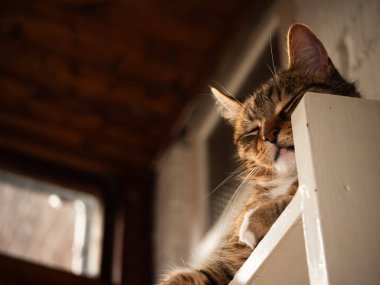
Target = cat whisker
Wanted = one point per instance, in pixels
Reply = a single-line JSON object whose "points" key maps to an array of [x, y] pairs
{"points": [[271, 71], [271, 52], [183, 261], [228, 178], [337, 87], [229, 206], [274, 78], [220, 86], [234, 173]]}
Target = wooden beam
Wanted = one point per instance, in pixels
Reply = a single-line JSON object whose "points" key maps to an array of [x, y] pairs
{"points": [[100, 157], [54, 73], [93, 42], [71, 129], [58, 156]]}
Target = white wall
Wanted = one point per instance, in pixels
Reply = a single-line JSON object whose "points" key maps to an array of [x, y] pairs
{"points": [[351, 34], [179, 211]]}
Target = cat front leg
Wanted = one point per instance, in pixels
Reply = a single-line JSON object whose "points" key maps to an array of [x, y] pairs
{"points": [[256, 222], [245, 234]]}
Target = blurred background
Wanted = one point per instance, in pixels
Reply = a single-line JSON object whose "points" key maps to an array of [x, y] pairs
{"points": [[110, 145]]}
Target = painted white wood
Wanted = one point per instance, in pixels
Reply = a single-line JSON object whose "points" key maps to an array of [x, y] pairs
{"points": [[280, 258], [337, 143]]}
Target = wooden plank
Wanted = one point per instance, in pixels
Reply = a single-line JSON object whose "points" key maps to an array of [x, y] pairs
{"points": [[196, 9], [66, 118], [137, 14], [112, 55], [97, 156], [55, 73], [28, 135], [23, 96], [337, 149], [150, 17], [107, 140], [69, 129], [39, 129], [54, 155], [49, 25], [83, 3]]}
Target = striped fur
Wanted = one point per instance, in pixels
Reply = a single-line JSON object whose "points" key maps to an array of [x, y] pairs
{"points": [[264, 141]]}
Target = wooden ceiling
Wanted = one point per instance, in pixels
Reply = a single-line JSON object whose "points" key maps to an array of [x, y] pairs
{"points": [[96, 85]]}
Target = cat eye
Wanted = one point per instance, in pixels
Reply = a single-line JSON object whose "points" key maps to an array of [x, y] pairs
{"points": [[253, 132], [283, 115], [289, 107]]}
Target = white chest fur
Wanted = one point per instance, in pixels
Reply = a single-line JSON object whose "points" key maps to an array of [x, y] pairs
{"points": [[281, 186], [286, 176]]}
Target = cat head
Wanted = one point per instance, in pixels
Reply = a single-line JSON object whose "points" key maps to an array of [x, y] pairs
{"points": [[262, 127]]}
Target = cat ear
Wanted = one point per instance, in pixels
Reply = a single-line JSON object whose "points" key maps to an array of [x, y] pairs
{"points": [[306, 51], [229, 107]]}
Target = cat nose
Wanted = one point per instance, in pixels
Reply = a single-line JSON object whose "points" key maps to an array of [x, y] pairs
{"points": [[271, 135]]}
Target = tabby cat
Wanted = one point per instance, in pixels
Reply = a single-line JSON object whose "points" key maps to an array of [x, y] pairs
{"points": [[263, 137]]}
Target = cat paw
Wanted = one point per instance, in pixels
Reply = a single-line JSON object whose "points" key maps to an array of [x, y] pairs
{"points": [[245, 235]]}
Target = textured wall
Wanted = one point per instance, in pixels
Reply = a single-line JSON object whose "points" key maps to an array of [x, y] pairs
{"points": [[179, 209], [350, 31]]}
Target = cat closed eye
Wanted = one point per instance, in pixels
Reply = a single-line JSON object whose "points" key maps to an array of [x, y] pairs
{"points": [[255, 130], [289, 107], [251, 133], [284, 115]]}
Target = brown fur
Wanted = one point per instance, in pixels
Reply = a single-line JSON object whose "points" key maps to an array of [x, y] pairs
{"points": [[264, 141]]}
